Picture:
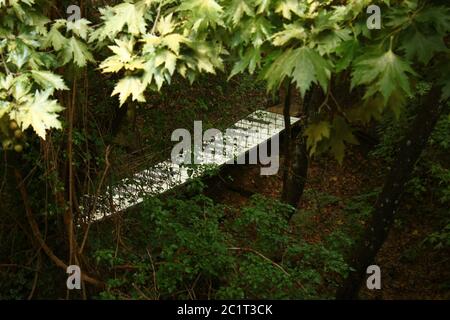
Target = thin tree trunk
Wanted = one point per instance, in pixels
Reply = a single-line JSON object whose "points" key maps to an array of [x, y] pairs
{"points": [[295, 184], [297, 171], [287, 142], [387, 203]]}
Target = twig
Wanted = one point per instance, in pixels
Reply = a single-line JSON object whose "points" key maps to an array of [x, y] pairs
{"points": [[107, 166], [37, 233], [262, 256], [36, 276], [339, 108], [140, 292], [268, 260], [325, 102], [4, 63], [158, 14], [155, 284]]}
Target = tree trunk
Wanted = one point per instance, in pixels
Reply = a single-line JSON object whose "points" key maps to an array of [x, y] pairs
{"points": [[287, 143], [296, 175], [387, 203], [295, 183]]}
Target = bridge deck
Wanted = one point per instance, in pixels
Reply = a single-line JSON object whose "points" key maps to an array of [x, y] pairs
{"points": [[254, 130]]}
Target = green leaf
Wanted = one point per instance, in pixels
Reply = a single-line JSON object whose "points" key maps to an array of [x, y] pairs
{"points": [[238, 8], [347, 51], [315, 133], [291, 31], [40, 113], [173, 41], [78, 52], [79, 27], [279, 65], [48, 79], [263, 5], [205, 12], [287, 7], [422, 47], [251, 59], [384, 73], [165, 25], [310, 67], [119, 16], [439, 17], [341, 133], [129, 86], [55, 39]]}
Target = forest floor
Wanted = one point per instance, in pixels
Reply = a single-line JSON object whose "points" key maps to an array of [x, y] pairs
{"points": [[410, 270]]}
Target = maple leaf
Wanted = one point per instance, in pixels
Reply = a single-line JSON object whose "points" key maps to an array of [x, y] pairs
{"points": [[78, 52], [167, 58], [279, 65], [329, 41], [123, 49], [341, 133], [263, 5], [287, 7], [346, 51], [20, 88], [384, 73], [173, 41], [19, 56], [205, 12], [55, 39], [129, 86], [39, 112], [237, 9], [5, 107], [48, 79], [304, 65], [165, 25], [315, 133], [119, 16], [438, 16], [80, 27], [310, 67], [112, 64], [423, 47], [291, 31], [251, 59]]}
